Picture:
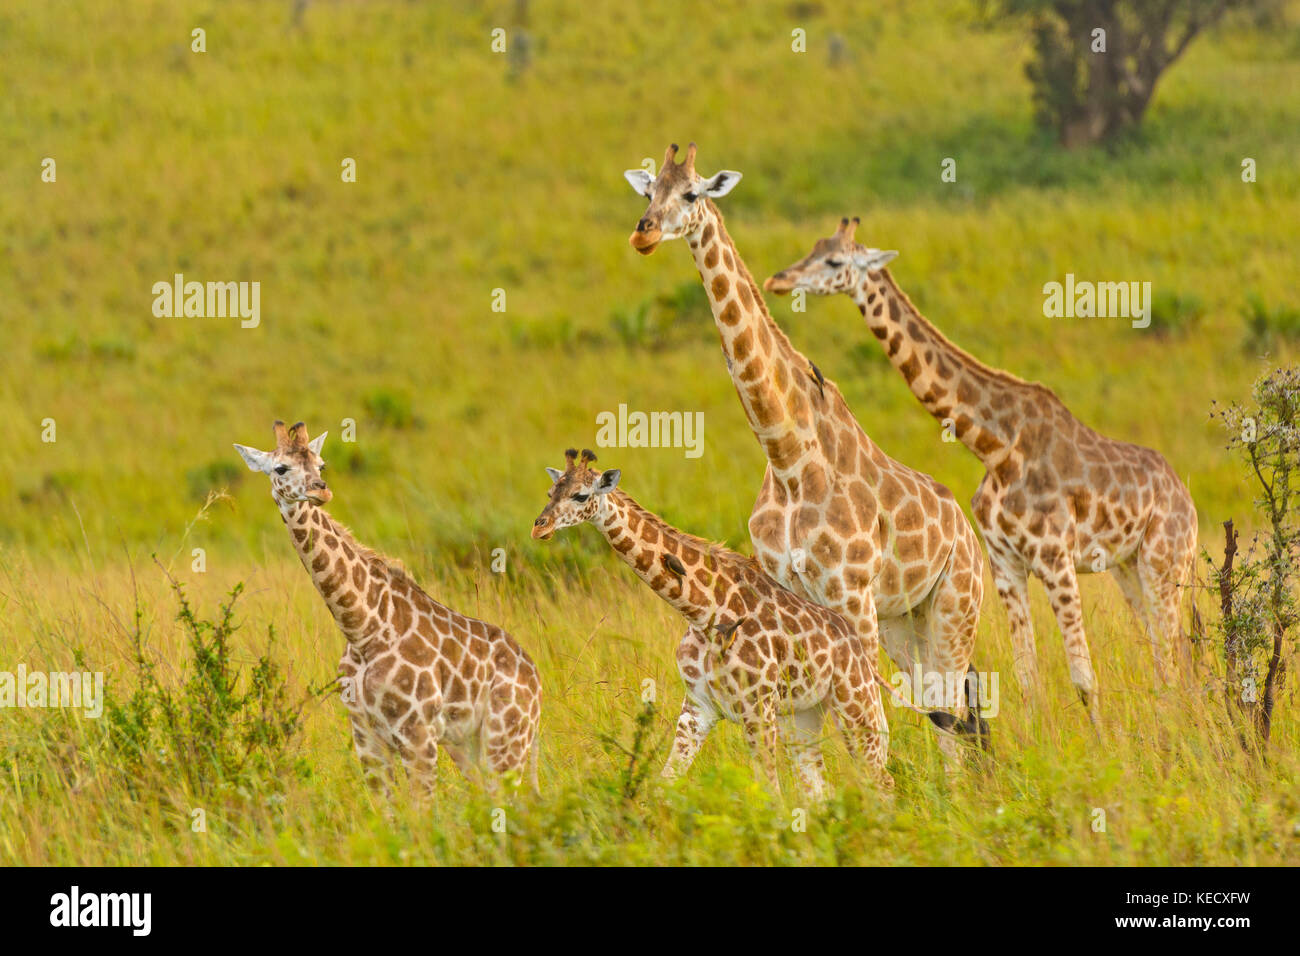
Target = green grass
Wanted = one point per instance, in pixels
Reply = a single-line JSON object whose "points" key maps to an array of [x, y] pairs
{"points": [[377, 307]]}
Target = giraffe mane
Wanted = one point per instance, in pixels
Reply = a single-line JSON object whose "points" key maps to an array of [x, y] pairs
{"points": [[714, 549], [743, 269], [394, 567], [999, 375]]}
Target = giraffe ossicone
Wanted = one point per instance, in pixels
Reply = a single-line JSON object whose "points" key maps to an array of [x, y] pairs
{"points": [[416, 675], [755, 652], [1057, 499]]}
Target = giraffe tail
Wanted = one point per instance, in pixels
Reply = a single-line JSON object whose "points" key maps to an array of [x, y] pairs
{"points": [[972, 724], [533, 759]]}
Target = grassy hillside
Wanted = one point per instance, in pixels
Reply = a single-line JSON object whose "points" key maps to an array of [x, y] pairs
{"points": [[479, 172]]}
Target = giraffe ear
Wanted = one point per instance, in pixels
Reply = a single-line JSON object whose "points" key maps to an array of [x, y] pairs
{"points": [[316, 443], [721, 183], [607, 481], [870, 260], [256, 460], [555, 474], [642, 182]]}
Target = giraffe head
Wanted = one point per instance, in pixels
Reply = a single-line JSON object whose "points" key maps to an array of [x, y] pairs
{"points": [[576, 494], [294, 466], [676, 199], [836, 264]]}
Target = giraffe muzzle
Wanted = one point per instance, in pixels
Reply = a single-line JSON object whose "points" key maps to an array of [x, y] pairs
{"points": [[542, 529], [646, 238], [779, 284]]}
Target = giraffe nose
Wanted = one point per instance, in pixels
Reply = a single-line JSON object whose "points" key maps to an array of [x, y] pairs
{"points": [[778, 283], [318, 484]]}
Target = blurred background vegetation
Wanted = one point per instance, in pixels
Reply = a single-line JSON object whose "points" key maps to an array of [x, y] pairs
{"points": [[477, 171]]}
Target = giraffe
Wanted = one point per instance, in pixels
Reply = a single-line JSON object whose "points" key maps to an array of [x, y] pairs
{"points": [[1057, 498], [837, 520], [756, 653], [421, 675]]}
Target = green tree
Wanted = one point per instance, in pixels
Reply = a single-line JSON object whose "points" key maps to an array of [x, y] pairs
{"points": [[1096, 62]]}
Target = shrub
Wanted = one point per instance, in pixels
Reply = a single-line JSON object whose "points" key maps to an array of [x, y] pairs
{"points": [[1258, 606], [221, 728]]}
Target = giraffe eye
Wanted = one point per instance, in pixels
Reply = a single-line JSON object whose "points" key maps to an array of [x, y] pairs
{"points": [[834, 263], [281, 469], [580, 498], [691, 197], [321, 469]]}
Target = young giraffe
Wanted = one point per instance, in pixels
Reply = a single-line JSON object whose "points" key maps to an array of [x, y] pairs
{"points": [[837, 520], [1057, 500], [421, 674], [756, 653]]}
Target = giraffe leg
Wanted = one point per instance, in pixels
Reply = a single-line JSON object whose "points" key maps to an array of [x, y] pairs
{"points": [[1063, 591], [802, 733], [506, 734], [1012, 583], [419, 758], [466, 763], [375, 763], [1130, 582], [758, 720], [693, 726], [860, 716], [949, 623], [905, 640], [1161, 577]]}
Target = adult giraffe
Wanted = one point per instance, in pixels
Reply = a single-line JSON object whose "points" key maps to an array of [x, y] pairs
{"points": [[837, 520], [1058, 499]]}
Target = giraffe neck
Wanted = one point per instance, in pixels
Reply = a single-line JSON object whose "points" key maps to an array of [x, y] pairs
{"points": [[691, 574], [343, 571], [776, 384], [954, 387]]}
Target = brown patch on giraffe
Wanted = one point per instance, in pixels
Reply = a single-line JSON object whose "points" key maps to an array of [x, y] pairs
{"points": [[746, 296], [742, 345], [417, 650], [730, 314], [985, 443]]}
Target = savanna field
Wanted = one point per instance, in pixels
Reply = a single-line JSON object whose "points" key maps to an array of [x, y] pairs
{"points": [[484, 176]]}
